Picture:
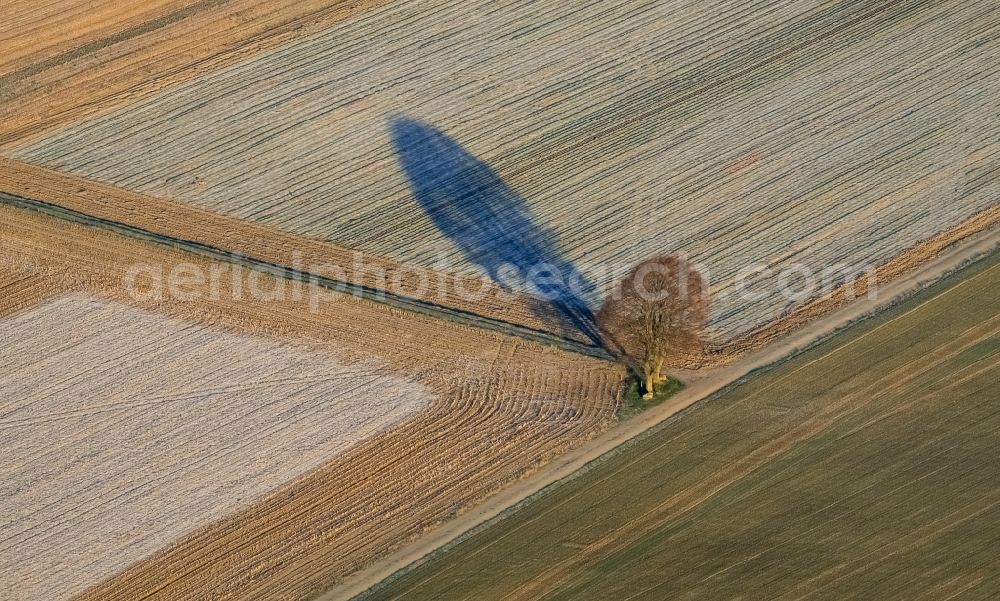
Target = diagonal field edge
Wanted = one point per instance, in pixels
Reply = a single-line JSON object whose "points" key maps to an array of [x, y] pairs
{"points": [[369, 581], [373, 294]]}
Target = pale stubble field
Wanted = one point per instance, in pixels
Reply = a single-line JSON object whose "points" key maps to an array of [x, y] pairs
{"points": [[456, 413]]}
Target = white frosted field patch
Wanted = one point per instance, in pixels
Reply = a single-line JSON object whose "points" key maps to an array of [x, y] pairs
{"points": [[122, 431]]}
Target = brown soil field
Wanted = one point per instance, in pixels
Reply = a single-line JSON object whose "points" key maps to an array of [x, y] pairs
{"points": [[813, 131], [21, 290], [505, 406], [864, 468], [35, 32], [68, 59]]}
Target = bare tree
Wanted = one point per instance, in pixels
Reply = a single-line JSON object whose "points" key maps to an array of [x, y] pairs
{"points": [[657, 314]]}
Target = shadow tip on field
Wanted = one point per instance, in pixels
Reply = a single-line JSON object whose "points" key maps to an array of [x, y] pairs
{"points": [[489, 221]]}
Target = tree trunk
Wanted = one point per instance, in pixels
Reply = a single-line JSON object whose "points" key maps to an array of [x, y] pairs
{"points": [[649, 383], [658, 372]]}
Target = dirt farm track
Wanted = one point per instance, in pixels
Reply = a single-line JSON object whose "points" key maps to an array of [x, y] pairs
{"points": [[224, 445], [861, 468]]}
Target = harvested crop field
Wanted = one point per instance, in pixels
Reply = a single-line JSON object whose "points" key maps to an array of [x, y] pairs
{"points": [[862, 468], [498, 408], [254, 432], [124, 431], [67, 59], [775, 134], [21, 290]]}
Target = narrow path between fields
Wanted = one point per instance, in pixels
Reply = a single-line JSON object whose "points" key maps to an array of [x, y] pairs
{"points": [[700, 386], [342, 286]]}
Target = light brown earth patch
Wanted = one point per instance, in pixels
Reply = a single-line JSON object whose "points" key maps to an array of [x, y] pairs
{"points": [[21, 290], [505, 407]]}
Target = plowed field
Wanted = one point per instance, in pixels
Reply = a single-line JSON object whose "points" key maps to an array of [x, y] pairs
{"points": [[775, 134], [864, 468], [500, 407], [756, 138], [124, 431]]}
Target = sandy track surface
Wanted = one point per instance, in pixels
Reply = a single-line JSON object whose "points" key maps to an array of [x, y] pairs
{"points": [[701, 385], [124, 430], [863, 468], [503, 407]]}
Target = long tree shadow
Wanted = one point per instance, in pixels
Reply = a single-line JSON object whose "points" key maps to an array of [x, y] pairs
{"points": [[492, 225]]}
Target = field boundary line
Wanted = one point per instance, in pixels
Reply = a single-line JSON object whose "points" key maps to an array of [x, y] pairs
{"points": [[712, 382], [376, 295], [177, 219], [508, 318]]}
